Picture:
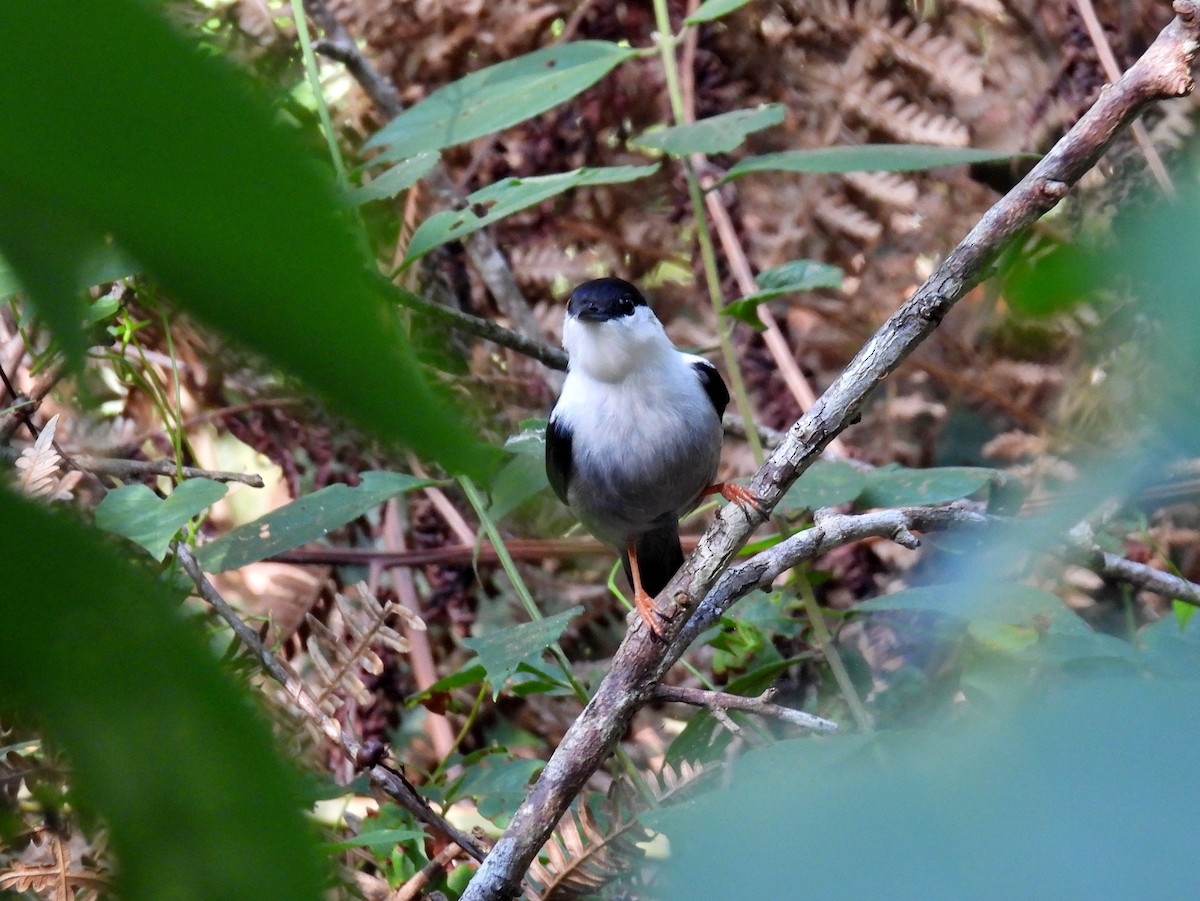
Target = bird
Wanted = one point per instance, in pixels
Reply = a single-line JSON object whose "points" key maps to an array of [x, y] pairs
{"points": [[634, 440]]}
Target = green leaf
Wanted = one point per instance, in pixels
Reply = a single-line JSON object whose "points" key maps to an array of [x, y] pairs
{"points": [[498, 785], [507, 197], [303, 520], [498, 96], [468, 675], [893, 486], [46, 247], [867, 158], [531, 678], [714, 9], [399, 178], [827, 483], [1055, 279], [798, 275], [1012, 604], [137, 513], [502, 652], [380, 838], [178, 159], [97, 265], [520, 479], [716, 134], [1015, 803], [196, 799]]}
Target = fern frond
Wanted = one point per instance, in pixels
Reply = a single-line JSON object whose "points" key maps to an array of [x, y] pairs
{"points": [[941, 59], [583, 856], [886, 188], [992, 10], [338, 660], [835, 215], [882, 109], [39, 464]]}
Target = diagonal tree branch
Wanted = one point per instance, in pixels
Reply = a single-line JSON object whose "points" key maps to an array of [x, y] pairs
{"points": [[1163, 71], [390, 781]]}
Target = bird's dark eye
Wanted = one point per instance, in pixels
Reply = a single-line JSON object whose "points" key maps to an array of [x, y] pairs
{"points": [[625, 305]]}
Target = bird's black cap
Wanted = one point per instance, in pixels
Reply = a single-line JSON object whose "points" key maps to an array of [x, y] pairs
{"points": [[603, 299]]}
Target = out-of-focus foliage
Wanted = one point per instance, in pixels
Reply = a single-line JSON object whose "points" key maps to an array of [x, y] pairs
{"points": [[167, 152], [1072, 791], [161, 744]]}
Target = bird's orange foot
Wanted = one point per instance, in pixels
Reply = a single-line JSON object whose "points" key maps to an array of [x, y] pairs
{"points": [[650, 615], [736, 494]]}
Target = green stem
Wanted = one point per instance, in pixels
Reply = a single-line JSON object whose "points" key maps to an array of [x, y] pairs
{"points": [[708, 253], [314, 81], [462, 733], [510, 568], [176, 429], [825, 644]]}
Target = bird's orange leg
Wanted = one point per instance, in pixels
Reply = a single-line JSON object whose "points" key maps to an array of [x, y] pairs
{"points": [[641, 600], [735, 494]]}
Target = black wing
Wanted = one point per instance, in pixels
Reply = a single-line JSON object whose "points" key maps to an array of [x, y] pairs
{"points": [[558, 457], [714, 385]]}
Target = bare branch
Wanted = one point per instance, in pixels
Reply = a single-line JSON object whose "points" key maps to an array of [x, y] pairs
{"points": [[549, 356], [339, 46], [24, 405], [389, 780], [414, 887], [1139, 575], [124, 469], [720, 700], [830, 531], [1163, 71]]}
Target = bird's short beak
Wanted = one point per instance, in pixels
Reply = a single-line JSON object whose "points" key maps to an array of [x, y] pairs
{"points": [[590, 312]]}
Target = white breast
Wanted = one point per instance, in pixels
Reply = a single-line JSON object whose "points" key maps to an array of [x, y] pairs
{"points": [[645, 436]]}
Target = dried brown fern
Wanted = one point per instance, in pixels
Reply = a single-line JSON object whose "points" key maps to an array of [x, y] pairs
{"points": [[48, 867], [944, 61], [885, 188], [883, 109], [39, 468], [339, 656], [590, 850]]}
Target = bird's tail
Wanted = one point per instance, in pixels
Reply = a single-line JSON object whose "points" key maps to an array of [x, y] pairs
{"points": [[659, 555]]}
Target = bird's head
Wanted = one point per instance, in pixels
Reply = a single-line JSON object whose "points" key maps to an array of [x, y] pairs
{"points": [[610, 331]]}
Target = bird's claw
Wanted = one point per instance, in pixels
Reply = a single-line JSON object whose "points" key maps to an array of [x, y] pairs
{"points": [[737, 494], [651, 615]]}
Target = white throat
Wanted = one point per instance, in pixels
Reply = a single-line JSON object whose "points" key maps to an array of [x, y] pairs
{"points": [[611, 351]]}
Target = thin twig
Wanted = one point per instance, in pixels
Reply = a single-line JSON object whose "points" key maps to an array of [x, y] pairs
{"points": [[21, 407], [390, 781], [414, 887], [739, 264], [450, 554], [721, 700], [124, 469], [1163, 71], [339, 46], [552, 357], [1139, 575], [830, 531], [21, 414]]}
